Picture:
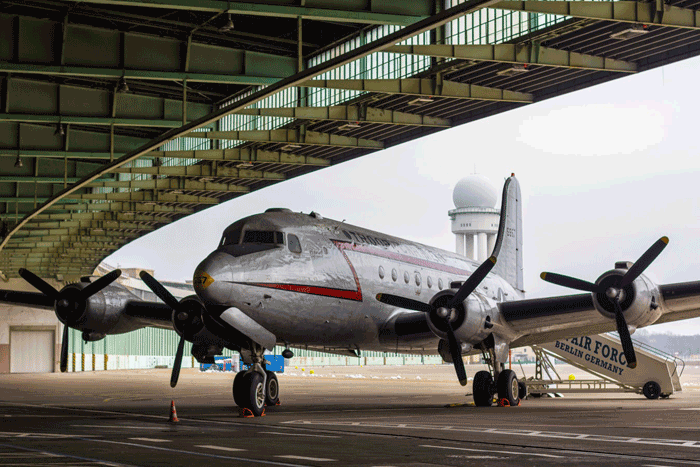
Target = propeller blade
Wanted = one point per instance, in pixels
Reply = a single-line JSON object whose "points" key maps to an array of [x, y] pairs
{"points": [[403, 302], [625, 337], [178, 363], [40, 284], [94, 287], [570, 282], [644, 261], [64, 350], [473, 281], [456, 353], [159, 290]]}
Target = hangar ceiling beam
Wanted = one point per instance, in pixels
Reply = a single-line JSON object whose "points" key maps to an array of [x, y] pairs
{"points": [[115, 74], [124, 206], [344, 13], [98, 216], [202, 171], [96, 224], [528, 54], [243, 155], [73, 120], [350, 113], [622, 11], [422, 87], [302, 76], [95, 231], [42, 179], [145, 196], [292, 137], [174, 184]]}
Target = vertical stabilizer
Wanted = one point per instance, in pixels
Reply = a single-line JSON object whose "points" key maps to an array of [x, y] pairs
{"points": [[509, 243]]}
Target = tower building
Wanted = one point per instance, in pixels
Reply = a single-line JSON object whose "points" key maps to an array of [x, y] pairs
{"points": [[475, 217]]}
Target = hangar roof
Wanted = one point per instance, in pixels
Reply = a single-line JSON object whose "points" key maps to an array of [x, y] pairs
{"points": [[119, 116]]}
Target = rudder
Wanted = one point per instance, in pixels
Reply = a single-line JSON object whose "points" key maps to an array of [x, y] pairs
{"points": [[509, 243]]}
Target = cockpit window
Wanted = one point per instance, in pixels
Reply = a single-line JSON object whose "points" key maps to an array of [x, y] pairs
{"points": [[293, 243], [261, 236]]}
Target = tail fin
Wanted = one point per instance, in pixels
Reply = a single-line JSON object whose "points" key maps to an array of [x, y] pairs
{"points": [[509, 243]]}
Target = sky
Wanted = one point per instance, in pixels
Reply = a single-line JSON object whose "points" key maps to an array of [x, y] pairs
{"points": [[604, 172]]}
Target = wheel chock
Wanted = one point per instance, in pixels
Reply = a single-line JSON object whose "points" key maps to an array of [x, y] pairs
{"points": [[247, 413], [503, 402]]}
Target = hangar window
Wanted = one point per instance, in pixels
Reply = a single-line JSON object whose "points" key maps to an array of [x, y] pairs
{"points": [[293, 243], [262, 236]]}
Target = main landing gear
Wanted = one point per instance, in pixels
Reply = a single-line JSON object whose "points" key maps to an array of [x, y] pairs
{"points": [[255, 388], [505, 384]]}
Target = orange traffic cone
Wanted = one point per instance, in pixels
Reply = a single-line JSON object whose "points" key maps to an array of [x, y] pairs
{"points": [[173, 413]]}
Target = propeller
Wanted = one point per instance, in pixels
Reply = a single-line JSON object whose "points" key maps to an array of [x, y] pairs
{"points": [[447, 313], [184, 317], [613, 288], [69, 303]]}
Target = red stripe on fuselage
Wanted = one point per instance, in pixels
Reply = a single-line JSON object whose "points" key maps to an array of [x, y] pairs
{"points": [[310, 289]]}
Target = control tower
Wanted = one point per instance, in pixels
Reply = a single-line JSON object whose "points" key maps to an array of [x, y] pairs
{"points": [[475, 218]]}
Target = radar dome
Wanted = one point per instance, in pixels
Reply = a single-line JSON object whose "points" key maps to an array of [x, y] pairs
{"points": [[475, 190]]}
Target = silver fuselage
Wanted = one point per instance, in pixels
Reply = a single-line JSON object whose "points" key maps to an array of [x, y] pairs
{"points": [[324, 296]]}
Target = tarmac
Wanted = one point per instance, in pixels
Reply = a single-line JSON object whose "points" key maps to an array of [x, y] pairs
{"points": [[371, 416]]}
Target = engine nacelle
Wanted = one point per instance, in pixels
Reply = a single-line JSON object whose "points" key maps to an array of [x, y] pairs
{"points": [[472, 319], [640, 299], [187, 318]]}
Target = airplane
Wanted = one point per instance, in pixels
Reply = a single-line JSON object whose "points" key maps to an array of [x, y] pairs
{"points": [[301, 280]]}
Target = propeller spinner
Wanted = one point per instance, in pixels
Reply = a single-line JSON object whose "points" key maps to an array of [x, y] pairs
{"points": [[447, 313], [69, 303], [614, 289]]}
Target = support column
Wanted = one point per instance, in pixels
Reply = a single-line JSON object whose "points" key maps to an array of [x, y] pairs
{"points": [[481, 246], [470, 246], [459, 244]]}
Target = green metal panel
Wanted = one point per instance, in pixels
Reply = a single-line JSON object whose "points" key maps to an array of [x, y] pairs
{"points": [[36, 40], [84, 102], [210, 59], [38, 137], [151, 53], [7, 40], [92, 47], [33, 96]]}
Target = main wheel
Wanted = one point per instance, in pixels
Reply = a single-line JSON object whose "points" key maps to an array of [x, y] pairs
{"points": [[522, 390], [254, 395], [239, 389], [651, 390], [272, 389], [508, 387], [482, 387]]}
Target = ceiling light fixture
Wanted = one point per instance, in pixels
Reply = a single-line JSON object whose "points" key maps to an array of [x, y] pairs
{"points": [[59, 130], [245, 165], [228, 26], [122, 86], [290, 147], [349, 126], [630, 33], [420, 101], [514, 70], [18, 162]]}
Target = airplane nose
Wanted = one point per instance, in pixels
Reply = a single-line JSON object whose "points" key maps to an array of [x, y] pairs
{"points": [[212, 279]]}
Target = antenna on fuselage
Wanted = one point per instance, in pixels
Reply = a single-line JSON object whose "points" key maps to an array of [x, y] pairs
{"points": [[337, 227]]}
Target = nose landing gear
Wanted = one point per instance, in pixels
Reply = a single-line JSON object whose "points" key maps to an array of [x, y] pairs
{"points": [[257, 387]]}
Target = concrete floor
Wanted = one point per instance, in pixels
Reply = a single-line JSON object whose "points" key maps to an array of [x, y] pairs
{"points": [[371, 416]]}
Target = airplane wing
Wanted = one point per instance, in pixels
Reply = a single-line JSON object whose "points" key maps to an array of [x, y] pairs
{"points": [[542, 320]]}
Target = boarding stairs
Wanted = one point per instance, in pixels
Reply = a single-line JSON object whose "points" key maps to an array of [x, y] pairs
{"points": [[602, 356]]}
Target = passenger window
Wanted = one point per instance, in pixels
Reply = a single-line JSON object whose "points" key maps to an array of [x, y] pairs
{"points": [[293, 243]]}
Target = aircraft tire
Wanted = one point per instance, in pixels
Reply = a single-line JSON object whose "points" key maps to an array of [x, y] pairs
{"points": [[651, 390], [254, 396], [239, 389], [508, 387], [482, 388], [522, 390], [272, 389]]}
